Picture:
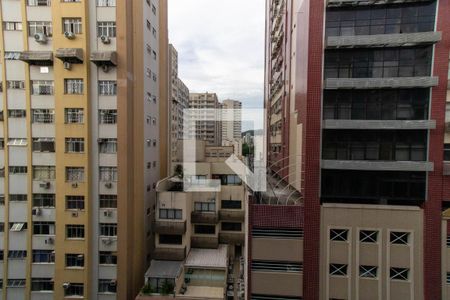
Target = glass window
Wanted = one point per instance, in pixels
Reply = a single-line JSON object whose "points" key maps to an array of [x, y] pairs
{"points": [[73, 25]]}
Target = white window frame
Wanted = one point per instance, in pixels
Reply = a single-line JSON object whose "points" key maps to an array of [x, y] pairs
{"points": [[74, 25]]}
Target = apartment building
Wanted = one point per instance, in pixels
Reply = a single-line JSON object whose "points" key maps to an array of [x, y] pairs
{"points": [[179, 100], [67, 97], [205, 130], [199, 228], [231, 130], [363, 96]]}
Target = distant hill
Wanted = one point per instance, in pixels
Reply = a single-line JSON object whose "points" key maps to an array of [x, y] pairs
{"points": [[252, 132]]}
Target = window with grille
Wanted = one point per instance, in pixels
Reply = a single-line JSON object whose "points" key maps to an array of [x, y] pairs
{"points": [[74, 145], [74, 260], [107, 258], [338, 270], [17, 254], [107, 286], [74, 115], [205, 206], [108, 229], [106, 2], [106, 29], [75, 202], [44, 173], [44, 228], [17, 227], [74, 290], [39, 2], [399, 238], [172, 214], [18, 197], [17, 113], [2, 229], [73, 25], [16, 283], [108, 145], [368, 271], [276, 266], [12, 55], [340, 235], [42, 284], [44, 200], [75, 174], [73, 86], [108, 201], [12, 26], [15, 84], [107, 87], [368, 236], [44, 27], [43, 116], [75, 231], [43, 256], [42, 87], [108, 174], [17, 142], [18, 170], [44, 145], [399, 273], [108, 116], [2, 143]]}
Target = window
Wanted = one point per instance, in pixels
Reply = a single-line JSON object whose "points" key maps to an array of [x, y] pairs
{"points": [[44, 27], [18, 170], [44, 173], [106, 2], [2, 143], [108, 201], [39, 2], [45, 228], [74, 145], [154, 9], [339, 235], [108, 229], [149, 25], [338, 270], [281, 233], [75, 231], [399, 273], [11, 55], [106, 29], [43, 256], [107, 258], [12, 26], [170, 239], [368, 271], [107, 87], [2, 229], [72, 25], [43, 116], [154, 31], [448, 278], [205, 229], [231, 226], [17, 113], [73, 86], [74, 260], [75, 174], [17, 227], [44, 200], [74, 290], [17, 254], [368, 236], [205, 206], [228, 179], [44, 145], [75, 202], [231, 204], [74, 115], [276, 266], [108, 145], [108, 174], [172, 214], [16, 283], [108, 116], [42, 87], [107, 286], [399, 238], [447, 152], [18, 197], [42, 284]]}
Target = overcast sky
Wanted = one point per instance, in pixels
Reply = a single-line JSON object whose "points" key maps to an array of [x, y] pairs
{"points": [[220, 47]]}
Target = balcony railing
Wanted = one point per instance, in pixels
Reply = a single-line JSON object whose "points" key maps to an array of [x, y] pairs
{"points": [[204, 241], [204, 217], [165, 253], [169, 227], [232, 238], [232, 215]]}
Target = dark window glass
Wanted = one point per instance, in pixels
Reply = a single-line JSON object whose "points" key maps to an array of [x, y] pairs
{"points": [[205, 229], [171, 239], [447, 152]]}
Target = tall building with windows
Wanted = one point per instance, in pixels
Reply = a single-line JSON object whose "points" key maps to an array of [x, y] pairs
{"points": [[70, 84], [231, 130], [363, 95]]}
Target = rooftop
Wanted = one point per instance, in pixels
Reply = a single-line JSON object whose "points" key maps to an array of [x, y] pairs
{"points": [[207, 258], [164, 269]]}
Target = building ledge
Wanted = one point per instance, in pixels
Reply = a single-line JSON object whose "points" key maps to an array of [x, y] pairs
{"points": [[168, 253], [380, 83], [104, 58], [379, 124], [384, 40], [70, 55], [338, 3], [39, 58], [169, 227], [366, 165]]}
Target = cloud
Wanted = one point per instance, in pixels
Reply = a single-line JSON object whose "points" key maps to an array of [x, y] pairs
{"points": [[220, 46]]}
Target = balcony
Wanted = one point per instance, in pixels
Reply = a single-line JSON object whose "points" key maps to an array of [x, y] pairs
{"points": [[204, 217], [164, 253], [446, 168], [37, 58], [232, 215], [204, 241], [70, 55], [169, 227], [232, 238], [104, 59]]}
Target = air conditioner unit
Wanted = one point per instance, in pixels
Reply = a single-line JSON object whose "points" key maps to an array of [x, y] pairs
{"points": [[107, 213], [44, 185], [40, 37], [67, 65], [50, 241], [36, 211], [107, 241], [105, 68], [69, 35], [105, 39], [74, 214], [66, 285], [113, 282], [108, 185], [75, 184], [80, 256]]}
